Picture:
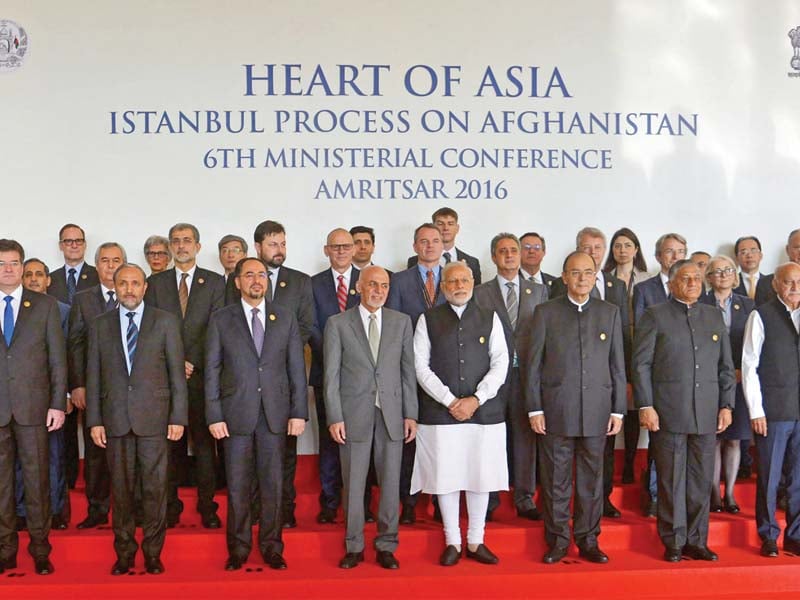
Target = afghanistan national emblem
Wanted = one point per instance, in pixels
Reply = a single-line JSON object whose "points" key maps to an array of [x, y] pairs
{"points": [[13, 45]]}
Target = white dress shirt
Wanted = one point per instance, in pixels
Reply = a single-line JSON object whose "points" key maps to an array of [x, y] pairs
{"points": [[600, 285], [364, 314], [78, 268], [536, 277], [345, 277], [123, 326], [17, 298]]}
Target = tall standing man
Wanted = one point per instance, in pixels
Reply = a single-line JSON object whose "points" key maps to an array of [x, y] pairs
{"points": [[446, 221], [256, 397], [33, 391], [136, 400], [371, 404], [684, 387], [191, 293], [533, 251], [747, 251]]}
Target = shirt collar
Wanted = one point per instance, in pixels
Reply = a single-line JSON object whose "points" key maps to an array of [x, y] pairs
{"points": [[139, 310], [459, 310], [579, 305], [248, 310], [191, 271], [502, 281], [78, 268], [424, 270], [16, 294], [786, 306], [347, 274], [365, 313], [104, 291]]}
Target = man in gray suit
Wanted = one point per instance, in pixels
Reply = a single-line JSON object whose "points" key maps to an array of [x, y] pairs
{"points": [[33, 391], [576, 400], [514, 299], [684, 387], [371, 404]]}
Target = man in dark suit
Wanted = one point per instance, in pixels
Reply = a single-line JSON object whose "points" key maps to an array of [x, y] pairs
{"points": [[290, 289], [446, 220], [575, 415], [592, 241], [86, 306], [33, 390], [76, 275], [684, 387], [191, 293], [232, 248], [514, 300], [371, 405], [747, 251], [136, 400], [256, 396], [533, 252], [412, 292], [335, 290], [765, 291]]}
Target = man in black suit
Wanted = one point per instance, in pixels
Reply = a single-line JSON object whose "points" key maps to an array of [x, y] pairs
{"points": [[684, 387], [290, 289], [136, 400], [256, 396], [747, 251], [191, 293], [533, 252], [232, 249], [76, 275], [765, 291], [575, 414], [33, 389], [446, 221], [86, 306]]}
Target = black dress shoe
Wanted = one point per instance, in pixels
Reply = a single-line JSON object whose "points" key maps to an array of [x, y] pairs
{"points": [[791, 546], [593, 554], [154, 566], [769, 549], [274, 560], [609, 510], [289, 521], [326, 516], [532, 514], [22, 524], [234, 563], [450, 556], [211, 520], [672, 555], [387, 560], [731, 507], [93, 521], [650, 509], [408, 516], [351, 559], [121, 567], [483, 555], [554, 555], [369, 517], [58, 522], [43, 566], [699, 553], [715, 508]]}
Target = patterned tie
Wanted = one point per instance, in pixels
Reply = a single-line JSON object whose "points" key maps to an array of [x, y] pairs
{"points": [[430, 288], [111, 304], [8, 321], [258, 330], [183, 293], [447, 257], [132, 336], [72, 285], [374, 345], [512, 303], [341, 294]]}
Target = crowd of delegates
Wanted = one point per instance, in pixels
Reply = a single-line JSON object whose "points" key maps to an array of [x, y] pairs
{"points": [[424, 380]]}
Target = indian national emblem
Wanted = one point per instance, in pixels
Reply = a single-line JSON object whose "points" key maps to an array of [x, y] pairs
{"points": [[13, 45], [794, 35]]}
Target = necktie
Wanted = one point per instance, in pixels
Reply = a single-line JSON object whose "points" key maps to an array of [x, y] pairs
{"points": [[430, 288], [183, 293], [512, 304], [270, 288], [341, 294], [8, 321], [374, 345], [72, 284], [111, 304], [751, 292], [258, 331], [132, 336], [447, 257]]}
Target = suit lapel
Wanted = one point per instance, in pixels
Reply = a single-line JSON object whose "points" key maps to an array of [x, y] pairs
{"points": [[240, 322], [171, 291], [500, 302], [115, 339], [353, 299], [25, 307], [144, 338], [361, 336], [198, 289]]}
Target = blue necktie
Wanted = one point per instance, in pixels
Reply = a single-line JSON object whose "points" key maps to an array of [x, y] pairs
{"points": [[111, 304], [8, 321], [72, 285], [133, 335]]}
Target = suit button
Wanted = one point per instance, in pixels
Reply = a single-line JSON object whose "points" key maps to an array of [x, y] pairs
{"points": [[460, 345], [696, 385], [461, 361], [130, 388], [260, 369], [461, 329], [695, 347], [461, 378], [258, 390]]}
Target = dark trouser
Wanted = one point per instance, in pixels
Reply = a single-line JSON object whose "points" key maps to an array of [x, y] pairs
{"points": [[289, 471], [355, 457], [58, 481], [557, 455], [747, 460], [126, 455], [608, 466], [781, 446], [97, 476], [523, 445], [71, 453], [30, 442], [406, 469], [330, 475], [685, 464], [260, 452], [631, 431]]}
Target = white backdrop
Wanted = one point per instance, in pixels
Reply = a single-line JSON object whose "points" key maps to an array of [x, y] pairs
{"points": [[722, 64]]}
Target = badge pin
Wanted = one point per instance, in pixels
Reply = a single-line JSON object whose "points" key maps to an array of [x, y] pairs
{"points": [[201, 280], [736, 307], [603, 336], [527, 291], [26, 304], [84, 276], [609, 284], [282, 284], [272, 317], [352, 292], [715, 337], [482, 340]]}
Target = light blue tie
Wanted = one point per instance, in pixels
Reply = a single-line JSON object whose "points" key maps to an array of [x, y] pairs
{"points": [[8, 321]]}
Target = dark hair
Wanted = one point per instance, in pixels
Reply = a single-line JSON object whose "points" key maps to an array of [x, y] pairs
{"points": [[227, 239], [363, 229], [67, 226], [266, 228], [696, 252], [41, 262], [179, 226], [533, 234], [502, 236], [444, 212], [573, 254], [425, 226], [237, 270], [638, 262], [744, 238], [12, 246]]}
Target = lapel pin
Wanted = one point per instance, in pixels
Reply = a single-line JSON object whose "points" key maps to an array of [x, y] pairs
{"points": [[736, 307], [352, 292], [482, 340], [26, 304], [715, 337], [201, 280], [282, 284], [83, 276], [603, 336], [527, 290], [272, 316], [550, 283], [609, 284]]}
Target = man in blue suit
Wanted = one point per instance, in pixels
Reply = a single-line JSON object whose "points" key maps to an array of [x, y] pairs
{"points": [[412, 292]]}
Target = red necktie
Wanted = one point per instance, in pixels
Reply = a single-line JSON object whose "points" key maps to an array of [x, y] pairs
{"points": [[341, 294]]}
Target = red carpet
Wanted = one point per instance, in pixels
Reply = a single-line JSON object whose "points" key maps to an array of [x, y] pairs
{"points": [[194, 559]]}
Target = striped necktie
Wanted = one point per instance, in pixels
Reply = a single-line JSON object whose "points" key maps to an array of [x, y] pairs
{"points": [[341, 294], [183, 293], [132, 336], [512, 304]]}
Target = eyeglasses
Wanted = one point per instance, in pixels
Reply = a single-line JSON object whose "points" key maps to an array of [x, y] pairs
{"points": [[157, 254], [74, 242], [536, 247], [234, 250], [575, 273], [726, 272]]}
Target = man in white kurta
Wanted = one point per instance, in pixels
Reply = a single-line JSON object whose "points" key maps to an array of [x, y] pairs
{"points": [[461, 361]]}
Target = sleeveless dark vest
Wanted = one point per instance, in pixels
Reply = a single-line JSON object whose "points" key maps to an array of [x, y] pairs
{"points": [[779, 363], [460, 358]]}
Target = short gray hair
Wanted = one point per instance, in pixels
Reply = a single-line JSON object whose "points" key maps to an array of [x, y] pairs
{"points": [[157, 240], [673, 270], [591, 232], [106, 246], [670, 236]]}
